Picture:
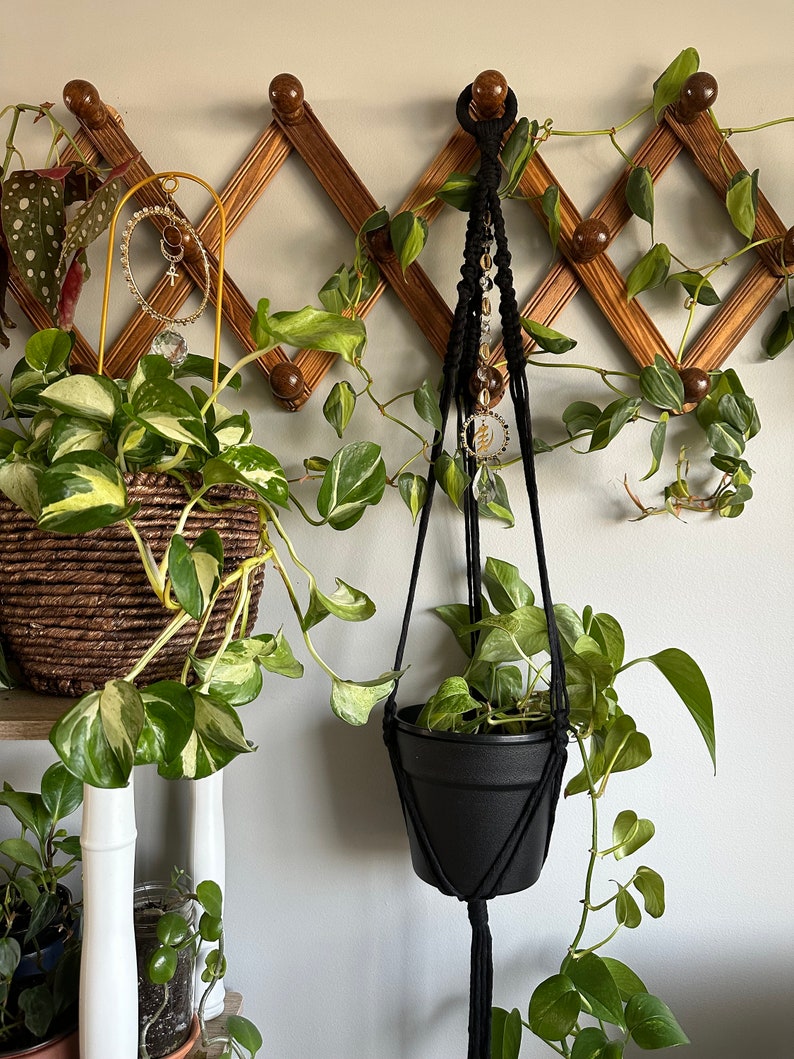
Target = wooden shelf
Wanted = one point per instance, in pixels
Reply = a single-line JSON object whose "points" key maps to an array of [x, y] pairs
{"points": [[26, 714], [233, 1005]]}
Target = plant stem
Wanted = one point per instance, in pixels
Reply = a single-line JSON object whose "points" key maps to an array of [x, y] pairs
{"points": [[173, 627], [593, 855], [602, 132]]}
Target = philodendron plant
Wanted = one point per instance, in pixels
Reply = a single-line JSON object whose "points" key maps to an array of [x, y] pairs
{"points": [[75, 435], [595, 1006]]}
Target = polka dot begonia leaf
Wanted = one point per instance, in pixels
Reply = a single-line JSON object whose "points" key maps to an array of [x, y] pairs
{"points": [[33, 222], [91, 219]]}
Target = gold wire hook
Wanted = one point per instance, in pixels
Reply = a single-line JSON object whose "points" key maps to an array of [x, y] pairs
{"points": [[169, 182]]}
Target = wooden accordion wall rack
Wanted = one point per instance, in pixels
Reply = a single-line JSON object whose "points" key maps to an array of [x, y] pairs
{"points": [[294, 127]]}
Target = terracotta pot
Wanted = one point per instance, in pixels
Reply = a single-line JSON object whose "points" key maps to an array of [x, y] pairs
{"points": [[64, 1046]]}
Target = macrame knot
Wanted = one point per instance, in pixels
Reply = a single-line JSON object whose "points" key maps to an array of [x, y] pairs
{"points": [[478, 913]]}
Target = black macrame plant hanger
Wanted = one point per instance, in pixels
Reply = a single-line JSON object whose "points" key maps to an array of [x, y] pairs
{"points": [[459, 365]]}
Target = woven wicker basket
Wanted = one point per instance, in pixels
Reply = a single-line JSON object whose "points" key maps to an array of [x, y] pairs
{"points": [[78, 611]]}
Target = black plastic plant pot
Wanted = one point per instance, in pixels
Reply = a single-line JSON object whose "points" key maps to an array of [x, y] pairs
{"points": [[470, 791]]}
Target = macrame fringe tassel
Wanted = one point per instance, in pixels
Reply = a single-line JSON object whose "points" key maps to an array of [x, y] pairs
{"points": [[481, 982]]}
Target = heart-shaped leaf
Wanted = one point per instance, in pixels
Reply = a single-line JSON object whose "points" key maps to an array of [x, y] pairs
{"points": [[353, 701], [667, 87], [339, 406], [82, 491], [354, 479], [195, 571], [629, 833], [554, 1008]]}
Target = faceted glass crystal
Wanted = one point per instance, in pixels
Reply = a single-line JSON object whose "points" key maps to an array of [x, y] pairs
{"points": [[171, 345]]}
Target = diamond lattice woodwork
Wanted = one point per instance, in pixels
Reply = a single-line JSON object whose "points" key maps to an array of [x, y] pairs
{"points": [[295, 127]]}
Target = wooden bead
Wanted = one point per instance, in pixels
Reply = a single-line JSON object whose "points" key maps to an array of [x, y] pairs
{"points": [[487, 377], [380, 245], [83, 99], [590, 238], [286, 96], [696, 384], [698, 93], [286, 381], [488, 94], [172, 237], [192, 252]]}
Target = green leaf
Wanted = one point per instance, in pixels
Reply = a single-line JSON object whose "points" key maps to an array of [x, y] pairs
{"points": [[652, 1024], [625, 748], [353, 701], [275, 655], [21, 852], [589, 1043], [210, 927], [687, 680], [413, 490], [629, 833], [309, 328], [19, 480], [554, 1008], [339, 406], [516, 153], [48, 351], [202, 368], [408, 233], [10, 955], [217, 738], [607, 633], [244, 1032], [334, 295], [378, 219], [426, 404], [612, 420], [172, 928], [503, 583], [210, 897], [73, 434], [548, 339], [347, 603], [61, 792], [649, 272], [38, 1007], [693, 283], [781, 336], [651, 886], [592, 978], [253, 466], [458, 191], [627, 911], [161, 966], [550, 204], [658, 436], [168, 722], [236, 678], [163, 407], [627, 981], [639, 193], [667, 87], [355, 478], [195, 571], [81, 492], [451, 477], [89, 396], [496, 503], [741, 200], [505, 1033], [739, 411], [97, 738], [443, 708], [33, 220], [661, 385], [581, 416], [508, 637]]}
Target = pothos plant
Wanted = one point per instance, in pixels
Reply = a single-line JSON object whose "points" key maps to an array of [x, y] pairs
{"points": [[240, 1038], [49, 216], [63, 463], [660, 394], [595, 1006]]}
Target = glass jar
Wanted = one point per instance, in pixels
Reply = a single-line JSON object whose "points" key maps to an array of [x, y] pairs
{"points": [[165, 1012]]}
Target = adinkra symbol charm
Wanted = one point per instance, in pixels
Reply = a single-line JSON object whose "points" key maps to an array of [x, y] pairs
{"points": [[484, 435]]}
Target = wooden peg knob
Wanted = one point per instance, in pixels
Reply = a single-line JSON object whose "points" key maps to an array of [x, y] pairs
{"points": [[488, 94], [286, 96], [192, 252], [590, 238], [286, 381], [83, 99], [698, 93]]}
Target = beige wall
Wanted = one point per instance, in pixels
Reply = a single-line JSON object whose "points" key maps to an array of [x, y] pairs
{"points": [[340, 951]]}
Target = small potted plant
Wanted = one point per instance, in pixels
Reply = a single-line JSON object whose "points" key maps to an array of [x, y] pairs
{"points": [[167, 937], [502, 699], [40, 939]]}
